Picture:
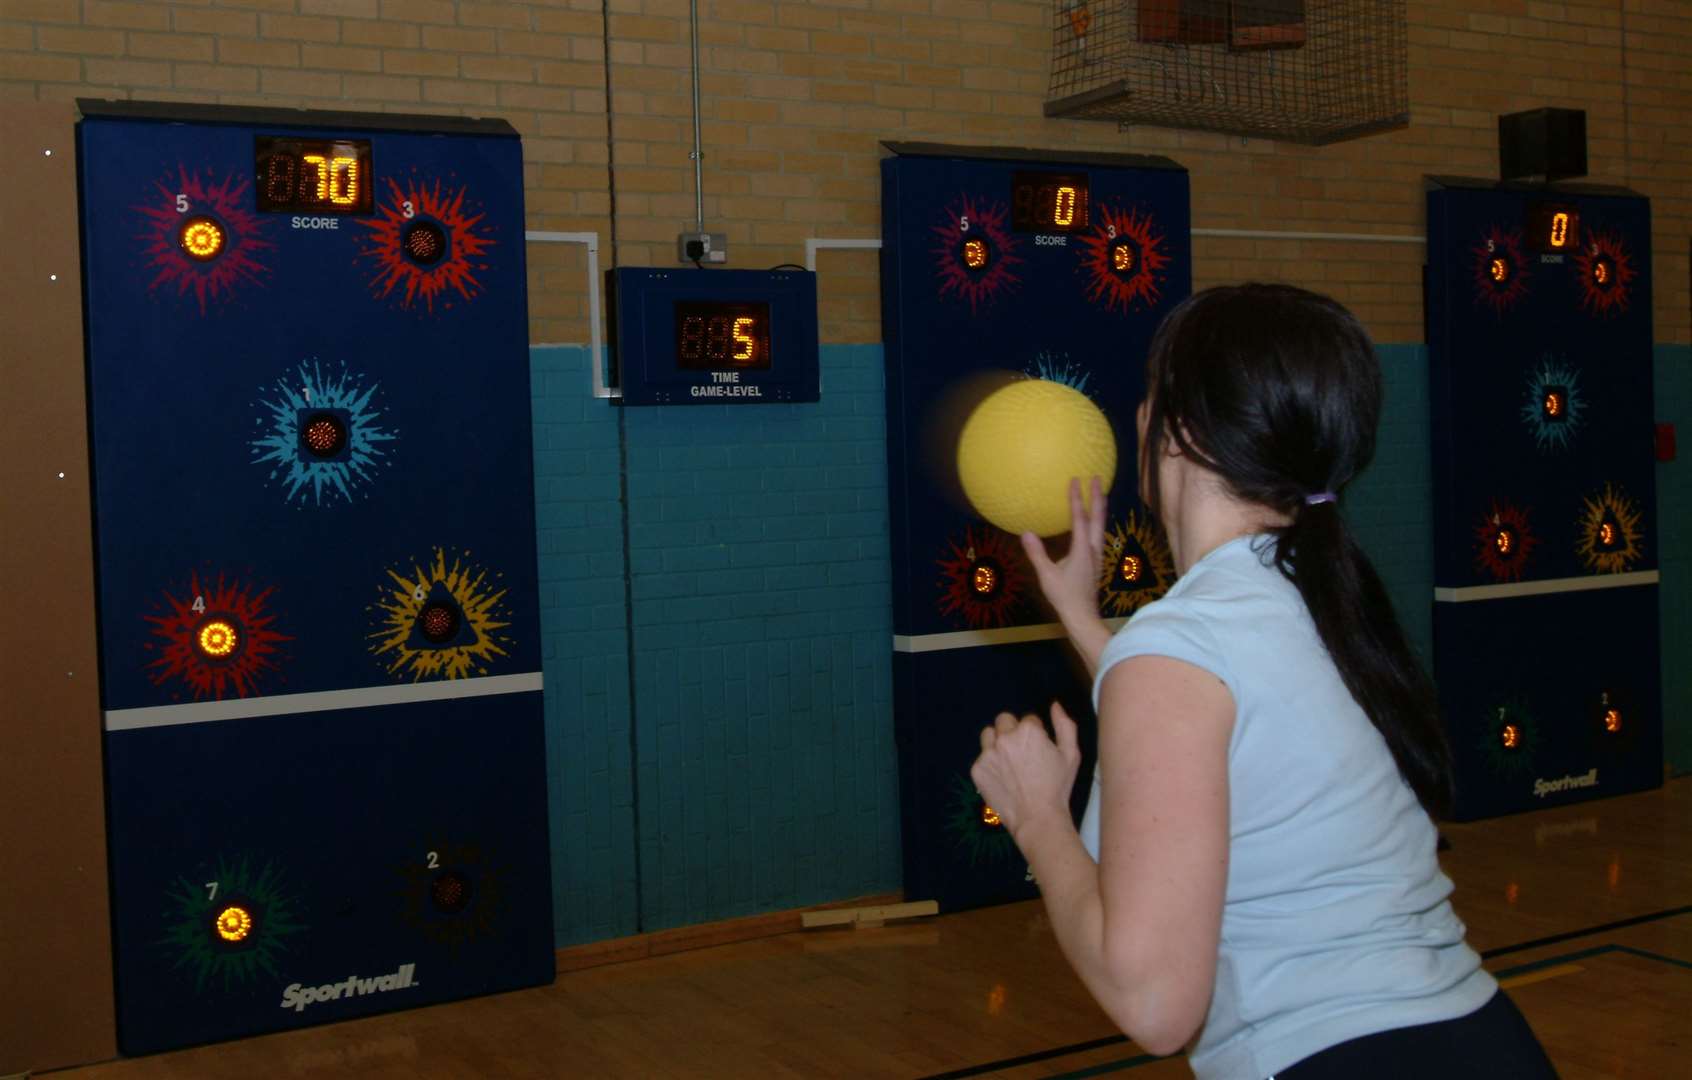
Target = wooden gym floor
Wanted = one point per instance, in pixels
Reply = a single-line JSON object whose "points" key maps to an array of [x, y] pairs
{"points": [[1584, 912]]}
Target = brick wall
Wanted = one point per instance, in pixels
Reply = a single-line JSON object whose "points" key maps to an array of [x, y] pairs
{"points": [[798, 93]]}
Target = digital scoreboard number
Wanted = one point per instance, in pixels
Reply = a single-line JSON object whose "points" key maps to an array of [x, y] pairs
{"points": [[1552, 228], [716, 336], [1048, 202], [312, 176]]}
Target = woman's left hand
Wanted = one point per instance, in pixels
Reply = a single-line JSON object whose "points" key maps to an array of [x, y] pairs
{"points": [[1022, 773]]}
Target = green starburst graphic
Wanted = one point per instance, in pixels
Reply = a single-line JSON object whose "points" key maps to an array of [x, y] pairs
{"points": [[232, 926]]}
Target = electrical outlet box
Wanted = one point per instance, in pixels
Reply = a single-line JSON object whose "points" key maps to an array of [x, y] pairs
{"points": [[702, 247]]}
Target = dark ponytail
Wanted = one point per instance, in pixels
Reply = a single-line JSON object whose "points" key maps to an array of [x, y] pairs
{"points": [[1277, 390]]}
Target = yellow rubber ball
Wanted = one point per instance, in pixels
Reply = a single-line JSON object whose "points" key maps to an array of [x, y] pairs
{"points": [[1020, 447]]}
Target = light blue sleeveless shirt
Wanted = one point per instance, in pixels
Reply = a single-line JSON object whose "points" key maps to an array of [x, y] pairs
{"points": [[1336, 922]]}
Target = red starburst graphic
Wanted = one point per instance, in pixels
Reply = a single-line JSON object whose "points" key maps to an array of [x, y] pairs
{"points": [[975, 253], [1503, 541], [217, 641], [1605, 269], [1124, 256], [1501, 274], [984, 578], [193, 198], [413, 206]]}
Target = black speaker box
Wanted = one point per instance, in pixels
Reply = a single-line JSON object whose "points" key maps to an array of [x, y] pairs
{"points": [[1544, 144]]}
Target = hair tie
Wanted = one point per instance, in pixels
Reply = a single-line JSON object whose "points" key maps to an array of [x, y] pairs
{"points": [[1319, 498]]}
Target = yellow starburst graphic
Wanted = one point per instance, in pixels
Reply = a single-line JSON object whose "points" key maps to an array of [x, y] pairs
{"points": [[1610, 536], [1137, 566], [440, 621]]}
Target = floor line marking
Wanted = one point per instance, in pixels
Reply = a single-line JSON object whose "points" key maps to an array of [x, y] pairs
{"points": [[1542, 975]]}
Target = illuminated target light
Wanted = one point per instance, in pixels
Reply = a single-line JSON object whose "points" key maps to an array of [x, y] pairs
{"points": [[966, 221], [217, 639], [1137, 567], [977, 831], [1605, 270], [233, 924], [301, 419], [202, 239], [1612, 721], [1500, 277], [481, 639], [1504, 538], [214, 639], [1510, 739], [408, 245], [983, 578], [975, 253], [1124, 257], [1553, 405], [1611, 534]]}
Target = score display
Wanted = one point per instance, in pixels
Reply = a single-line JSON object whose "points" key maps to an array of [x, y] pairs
{"points": [[312, 176], [1048, 202], [719, 336], [1553, 227]]}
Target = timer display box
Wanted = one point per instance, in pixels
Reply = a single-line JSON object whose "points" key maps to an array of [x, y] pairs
{"points": [[714, 337], [317, 598]]}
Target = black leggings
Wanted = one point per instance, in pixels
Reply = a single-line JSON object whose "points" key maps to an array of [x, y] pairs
{"points": [[1492, 1043]]}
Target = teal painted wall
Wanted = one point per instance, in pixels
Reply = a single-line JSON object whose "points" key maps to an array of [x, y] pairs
{"points": [[718, 631]]}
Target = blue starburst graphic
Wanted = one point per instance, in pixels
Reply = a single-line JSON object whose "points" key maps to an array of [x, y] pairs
{"points": [[1554, 405], [1061, 370], [353, 449]]}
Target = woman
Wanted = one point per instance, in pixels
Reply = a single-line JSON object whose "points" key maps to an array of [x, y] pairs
{"points": [[1256, 865]]}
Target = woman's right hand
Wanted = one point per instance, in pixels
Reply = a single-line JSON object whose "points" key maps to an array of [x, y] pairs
{"points": [[1071, 584]]}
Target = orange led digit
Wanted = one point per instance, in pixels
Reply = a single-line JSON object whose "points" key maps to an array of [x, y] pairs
{"points": [[1559, 229], [320, 163], [345, 168], [745, 345], [1063, 210]]}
